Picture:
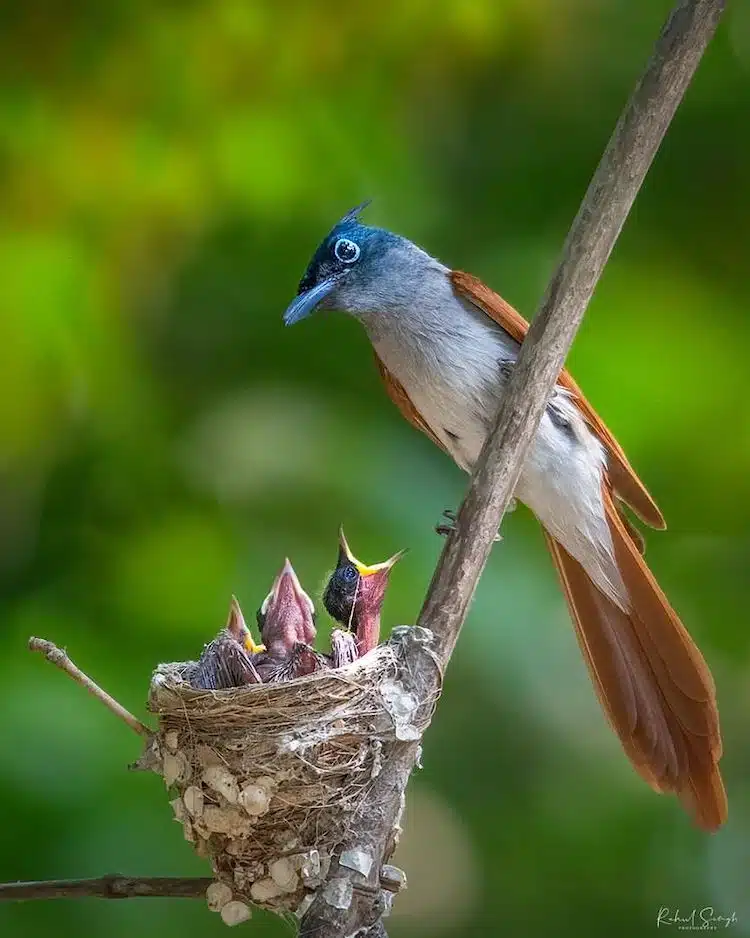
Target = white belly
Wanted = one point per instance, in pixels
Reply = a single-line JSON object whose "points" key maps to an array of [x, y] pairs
{"points": [[562, 476]]}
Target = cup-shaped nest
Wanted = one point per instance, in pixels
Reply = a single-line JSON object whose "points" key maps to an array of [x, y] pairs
{"points": [[267, 779]]}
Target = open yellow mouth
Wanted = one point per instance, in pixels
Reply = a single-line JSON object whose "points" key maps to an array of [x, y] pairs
{"points": [[362, 568], [251, 646], [239, 630]]}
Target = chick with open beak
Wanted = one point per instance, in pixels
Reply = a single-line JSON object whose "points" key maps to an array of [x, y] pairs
{"points": [[354, 594], [287, 626], [227, 661]]}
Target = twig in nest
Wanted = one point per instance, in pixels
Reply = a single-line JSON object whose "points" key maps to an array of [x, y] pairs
{"points": [[60, 659]]}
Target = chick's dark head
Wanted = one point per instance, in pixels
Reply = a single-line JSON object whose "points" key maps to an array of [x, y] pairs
{"points": [[355, 589]]}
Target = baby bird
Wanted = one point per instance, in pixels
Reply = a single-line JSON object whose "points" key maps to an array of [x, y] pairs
{"points": [[227, 661], [354, 597], [286, 620]]}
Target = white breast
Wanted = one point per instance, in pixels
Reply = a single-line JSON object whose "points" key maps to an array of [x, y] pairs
{"points": [[449, 365], [448, 355]]}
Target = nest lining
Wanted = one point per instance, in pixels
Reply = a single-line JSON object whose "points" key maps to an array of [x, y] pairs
{"points": [[269, 778]]}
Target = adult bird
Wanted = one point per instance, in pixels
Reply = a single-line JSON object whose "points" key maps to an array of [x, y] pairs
{"points": [[445, 344], [354, 597], [286, 620]]}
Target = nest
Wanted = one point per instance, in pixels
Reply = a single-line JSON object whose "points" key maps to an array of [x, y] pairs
{"points": [[268, 778]]}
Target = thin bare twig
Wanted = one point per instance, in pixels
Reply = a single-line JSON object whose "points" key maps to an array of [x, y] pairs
{"points": [[112, 886], [592, 236], [60, 659], [116, 886]]}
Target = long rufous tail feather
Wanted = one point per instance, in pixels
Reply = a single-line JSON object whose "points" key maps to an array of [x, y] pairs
{"points": [[650, 677]]}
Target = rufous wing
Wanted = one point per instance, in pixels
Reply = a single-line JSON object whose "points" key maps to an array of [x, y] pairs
{"points": [[627, 486], [650, 677]]}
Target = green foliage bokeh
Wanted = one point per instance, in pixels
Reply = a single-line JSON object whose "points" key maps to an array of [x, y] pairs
{"points": [[165, 172]]}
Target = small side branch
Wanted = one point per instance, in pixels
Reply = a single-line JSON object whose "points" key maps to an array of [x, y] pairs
{"points": [[60, 659], [112, 886], [115, 886]]}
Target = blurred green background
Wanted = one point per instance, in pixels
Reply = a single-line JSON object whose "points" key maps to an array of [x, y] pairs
{"points": [[166, 170]]}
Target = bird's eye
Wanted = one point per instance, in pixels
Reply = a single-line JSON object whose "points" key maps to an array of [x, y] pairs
{"points": [[349, 573], [260, 618], [346, 251]]}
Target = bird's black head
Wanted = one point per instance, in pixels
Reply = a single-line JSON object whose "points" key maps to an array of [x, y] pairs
{"points": [[341, 272], [355, 588], [341, 592]]}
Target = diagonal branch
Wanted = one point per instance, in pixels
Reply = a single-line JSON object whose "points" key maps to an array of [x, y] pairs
{"points": [[592, 236]]}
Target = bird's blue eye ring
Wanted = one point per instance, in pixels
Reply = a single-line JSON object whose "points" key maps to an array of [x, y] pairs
{"points": [[349, 573], [346, 251]]}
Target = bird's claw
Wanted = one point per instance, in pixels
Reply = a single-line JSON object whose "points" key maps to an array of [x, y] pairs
{"points": [[448, 524]]}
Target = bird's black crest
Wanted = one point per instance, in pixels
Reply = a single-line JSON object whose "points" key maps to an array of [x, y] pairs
{"points": [[353, 213]]}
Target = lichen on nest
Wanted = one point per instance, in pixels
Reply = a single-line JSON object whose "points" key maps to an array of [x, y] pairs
{"points": [[268, 778]]}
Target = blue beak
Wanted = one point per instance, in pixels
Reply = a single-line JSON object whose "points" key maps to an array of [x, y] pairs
{"points": [[304, 304]]}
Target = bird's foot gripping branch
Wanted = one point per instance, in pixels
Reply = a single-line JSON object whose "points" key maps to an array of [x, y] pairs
{"points": [[281, 785]]}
